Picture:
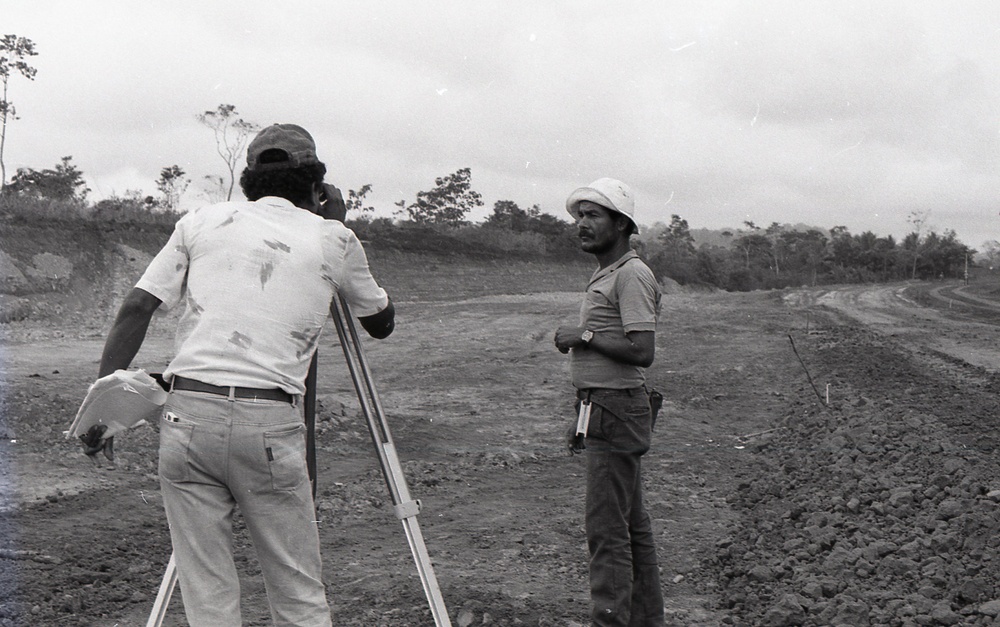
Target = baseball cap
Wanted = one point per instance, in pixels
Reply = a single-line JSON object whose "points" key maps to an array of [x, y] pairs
{"points": [[609, 193], [293, 140]]}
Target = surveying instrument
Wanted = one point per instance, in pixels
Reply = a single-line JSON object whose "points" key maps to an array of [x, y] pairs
{"points": [[406, 508]]}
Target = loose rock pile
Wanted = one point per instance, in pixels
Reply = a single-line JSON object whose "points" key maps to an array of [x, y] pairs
{"points": [[864, 516]]}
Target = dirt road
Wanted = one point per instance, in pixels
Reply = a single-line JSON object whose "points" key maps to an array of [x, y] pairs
{"points": [[950, 319], [748, 460]]}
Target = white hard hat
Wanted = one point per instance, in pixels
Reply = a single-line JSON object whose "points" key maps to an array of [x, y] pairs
{"points": [[606, 192]]}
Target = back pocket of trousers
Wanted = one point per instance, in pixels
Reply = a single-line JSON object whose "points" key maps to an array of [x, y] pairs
{"points": [[175, 443], [286, 457]]}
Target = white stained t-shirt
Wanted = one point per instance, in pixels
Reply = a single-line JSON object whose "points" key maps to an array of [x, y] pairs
{"points": [[257, 280]]}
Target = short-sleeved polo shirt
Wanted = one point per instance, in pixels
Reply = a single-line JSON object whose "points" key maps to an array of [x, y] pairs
{"points": [[256, 280], [620, 298]]}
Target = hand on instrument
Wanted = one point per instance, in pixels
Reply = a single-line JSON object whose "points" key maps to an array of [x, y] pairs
{"points": [[332, 205], [94, 442]]}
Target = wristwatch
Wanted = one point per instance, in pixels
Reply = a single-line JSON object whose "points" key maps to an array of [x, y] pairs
{"points": [[586, 336]]}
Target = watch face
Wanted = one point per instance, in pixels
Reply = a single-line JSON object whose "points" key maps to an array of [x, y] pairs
{"points": [[587, 335]]}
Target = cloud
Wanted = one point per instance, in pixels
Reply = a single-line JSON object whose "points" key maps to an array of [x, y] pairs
{"points": [[718, 111]]}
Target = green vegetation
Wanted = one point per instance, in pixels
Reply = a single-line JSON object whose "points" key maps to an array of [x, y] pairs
{"points": [[64, 183], [448, 203], [172, 184], [742, 260], [436, 223], [752, 258], [780, 256], [130, 209]]}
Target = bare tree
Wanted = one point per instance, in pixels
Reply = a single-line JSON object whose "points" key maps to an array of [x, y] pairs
{"points": [[232, 133], [13, 51], [919, 220], [213, 187], [991, 252]]}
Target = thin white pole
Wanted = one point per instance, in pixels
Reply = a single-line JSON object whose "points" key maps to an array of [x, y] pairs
{"points": [[406, 508], [163, 596]]}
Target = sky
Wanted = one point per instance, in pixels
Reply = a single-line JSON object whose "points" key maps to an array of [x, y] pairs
{"points": [[864, 114]]}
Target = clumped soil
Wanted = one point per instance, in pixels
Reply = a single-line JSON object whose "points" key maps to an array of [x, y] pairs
{"points": [[880, 509], [850, 481]]}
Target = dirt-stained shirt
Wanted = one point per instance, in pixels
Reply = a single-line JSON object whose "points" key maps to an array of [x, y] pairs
{"points": [[257, 280], [621, 298]]}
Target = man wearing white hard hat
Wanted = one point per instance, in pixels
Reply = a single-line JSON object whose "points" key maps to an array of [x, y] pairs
{"points": [[609, 351]]}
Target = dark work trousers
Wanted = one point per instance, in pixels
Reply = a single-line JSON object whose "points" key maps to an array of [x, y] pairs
{"points": [[624, 573]]}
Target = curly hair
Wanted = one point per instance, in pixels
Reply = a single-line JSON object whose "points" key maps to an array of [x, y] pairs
{"points": [[293, 184]]}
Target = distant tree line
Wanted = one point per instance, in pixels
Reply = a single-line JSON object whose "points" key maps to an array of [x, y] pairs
{"points": [[752, 257], [780, 256], [439, 214], [747, 259], [444, 210]]}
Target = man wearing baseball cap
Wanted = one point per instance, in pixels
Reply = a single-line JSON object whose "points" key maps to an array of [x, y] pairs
{"points": [[255, 280], [609, 350]]}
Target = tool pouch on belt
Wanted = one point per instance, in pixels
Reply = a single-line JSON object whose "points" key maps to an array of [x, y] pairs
{"points": [[621, 420], [655, 403]]}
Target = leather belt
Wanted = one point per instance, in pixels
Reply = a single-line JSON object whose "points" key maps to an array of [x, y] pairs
{"points": [[263, 394], [583, 393]]}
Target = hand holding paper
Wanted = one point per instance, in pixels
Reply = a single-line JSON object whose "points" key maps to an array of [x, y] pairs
{"points": [[115, 403]]}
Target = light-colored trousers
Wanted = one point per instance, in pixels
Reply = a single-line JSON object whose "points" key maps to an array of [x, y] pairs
{"points": [[216, 454]]}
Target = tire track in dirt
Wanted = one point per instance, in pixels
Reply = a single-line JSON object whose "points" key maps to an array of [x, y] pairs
{"points": [[945, 336]]}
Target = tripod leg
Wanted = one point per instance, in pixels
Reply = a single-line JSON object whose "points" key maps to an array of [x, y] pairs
{"points": [[163, 596], [309, 411], [406, 508]]}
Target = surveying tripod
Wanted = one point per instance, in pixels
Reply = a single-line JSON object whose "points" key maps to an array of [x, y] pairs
{"points": [[406, 509]]}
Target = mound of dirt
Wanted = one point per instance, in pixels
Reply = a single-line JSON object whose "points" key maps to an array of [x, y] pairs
{"points": [[75, 272], [870, 511]]}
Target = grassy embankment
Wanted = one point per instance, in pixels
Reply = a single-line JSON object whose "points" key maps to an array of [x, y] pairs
{"points": [[57, 265]]}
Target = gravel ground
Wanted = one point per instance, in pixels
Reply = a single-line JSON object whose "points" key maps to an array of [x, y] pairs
{"points": [[852, 481]]}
